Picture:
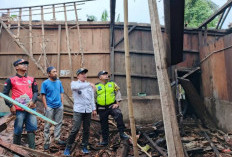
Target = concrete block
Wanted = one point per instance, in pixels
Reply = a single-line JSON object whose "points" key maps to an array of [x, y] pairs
{"points": [[147, 109]]}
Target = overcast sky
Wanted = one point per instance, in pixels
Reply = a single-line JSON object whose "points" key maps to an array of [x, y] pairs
{"points": [[138, 9]]}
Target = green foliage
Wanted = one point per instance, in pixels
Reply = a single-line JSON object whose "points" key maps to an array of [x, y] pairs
{"points": [[197, 11], [13, 17], [105, 16], [91, 18]]}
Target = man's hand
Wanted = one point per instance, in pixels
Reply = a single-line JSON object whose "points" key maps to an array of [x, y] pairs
{"points": [[32, 105], [13, 110], [93, 86], [94, 113], [115, 106]]}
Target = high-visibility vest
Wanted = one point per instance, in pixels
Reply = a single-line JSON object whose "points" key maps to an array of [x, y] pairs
{"points": [[105, 93]]}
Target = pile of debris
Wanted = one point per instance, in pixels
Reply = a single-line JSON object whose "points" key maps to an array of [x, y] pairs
{"points": [[197, 141]]}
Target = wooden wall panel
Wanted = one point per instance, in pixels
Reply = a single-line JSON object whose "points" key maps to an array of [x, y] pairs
{"points": [[228, 63], [96, 47]]}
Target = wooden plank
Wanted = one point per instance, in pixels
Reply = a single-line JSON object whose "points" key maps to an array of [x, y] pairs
{"points": [[196, 102], [9, 18], [219, 11], [68, 42], [36, 6], [174, 145], [122, 38], [14, 148], [19, 22], [58, 50], [36, 152], [22, 46], [190, 72], [224, 18], [212, 145], [54, 12], [155, 146], [79, 36], [30, 32], [128, 80], [136, 75], [43, 39]]}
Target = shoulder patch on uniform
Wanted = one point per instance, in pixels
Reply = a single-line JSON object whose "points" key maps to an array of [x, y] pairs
{"points": [[116, 87]]}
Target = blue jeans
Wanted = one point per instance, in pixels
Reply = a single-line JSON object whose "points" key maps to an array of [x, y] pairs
{"points": [[57, 115], [23, 117]]}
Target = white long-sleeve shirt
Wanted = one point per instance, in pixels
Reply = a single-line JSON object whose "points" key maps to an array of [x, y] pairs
{"points": [[83, 95]]}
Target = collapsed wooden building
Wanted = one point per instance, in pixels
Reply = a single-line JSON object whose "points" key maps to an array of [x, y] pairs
{"points": [[198, 60]]}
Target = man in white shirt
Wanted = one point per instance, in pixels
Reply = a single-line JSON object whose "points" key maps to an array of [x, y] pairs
{"points": [[84, 105]]}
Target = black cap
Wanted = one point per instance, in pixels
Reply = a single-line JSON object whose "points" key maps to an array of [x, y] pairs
{"points": [[102, 73], [81, 70], [20, 61]]}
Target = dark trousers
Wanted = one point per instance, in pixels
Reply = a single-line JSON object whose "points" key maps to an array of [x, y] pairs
{"points": [[117, 115], [77, 120]]}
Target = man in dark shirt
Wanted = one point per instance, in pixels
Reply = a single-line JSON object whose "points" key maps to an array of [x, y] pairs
{"points": [[25, 91]]}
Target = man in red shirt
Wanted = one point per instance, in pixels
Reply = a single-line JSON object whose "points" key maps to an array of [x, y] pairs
{"points": [[25, 91]]}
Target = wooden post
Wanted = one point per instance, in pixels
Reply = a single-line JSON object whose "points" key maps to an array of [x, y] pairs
{"points": [[112, 41], [19, 22], [30, 31], [67, 41], [128, 80], [43, 38], [9, 18], [54, 13], [58, 50], [172, 135], [79, 35]]}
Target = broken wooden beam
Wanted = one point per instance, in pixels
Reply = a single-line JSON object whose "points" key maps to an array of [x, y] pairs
{"points": [[22, 47], [35, 152], [14, 148], [68, 42], [174, 145], [190, 73], [122, 151], [5, 121], [110, 122], [155, 146], [211, 144], [197, 102]]}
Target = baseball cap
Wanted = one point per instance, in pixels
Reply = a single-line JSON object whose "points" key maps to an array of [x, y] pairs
{"points": [[102, 73], [81, 70], [19, 61]]}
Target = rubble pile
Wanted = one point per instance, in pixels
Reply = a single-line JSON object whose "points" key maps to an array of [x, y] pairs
{"points": [[197, 141]]}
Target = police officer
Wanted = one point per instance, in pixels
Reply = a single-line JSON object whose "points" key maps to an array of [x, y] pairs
{"points": [[107, 104]]}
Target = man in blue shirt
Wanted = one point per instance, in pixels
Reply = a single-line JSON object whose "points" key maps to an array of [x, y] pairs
{"points": [[52, 97]]}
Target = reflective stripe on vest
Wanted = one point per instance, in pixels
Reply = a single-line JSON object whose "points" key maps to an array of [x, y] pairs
{"points": [[105, 93]]}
